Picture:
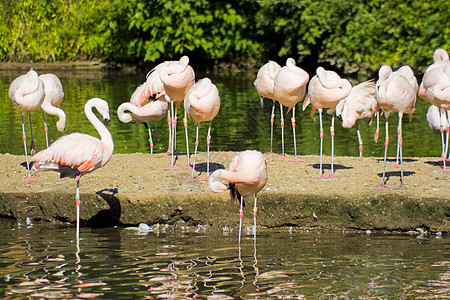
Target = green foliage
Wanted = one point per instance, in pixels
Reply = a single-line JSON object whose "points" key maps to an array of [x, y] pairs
{"points": [[356, 36]]}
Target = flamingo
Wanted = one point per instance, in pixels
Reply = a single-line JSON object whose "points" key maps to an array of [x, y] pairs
{"points": [[171, 79], [27, 93], [264, 86], [54, 95], [246, 175], [155, 110], [435, 88], [394, 93], [436, 120], [77, 154], [202, 103], [359, 105], [289, 89], [325, 90]]}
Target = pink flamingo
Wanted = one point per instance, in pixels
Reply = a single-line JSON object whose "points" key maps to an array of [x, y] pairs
{"points": [[435, 88], [246, 175], [171, 79], [152, 111], [289, 89], [325, 90], [359, 105], [54, 95], [77, 154], [394, 92], [27, 93], [264, 86], [202, 103]]}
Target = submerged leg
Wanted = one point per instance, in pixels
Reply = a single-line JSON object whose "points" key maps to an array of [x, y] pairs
{"points": [[193, 179], [321, 145], [78, 204], [24, 138]]}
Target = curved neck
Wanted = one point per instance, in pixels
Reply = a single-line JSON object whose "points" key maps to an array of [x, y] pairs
{"points": [[126, 117], [55, 111], [105, 135]]}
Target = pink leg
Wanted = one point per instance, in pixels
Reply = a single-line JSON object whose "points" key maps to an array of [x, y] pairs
{"points": [[295, 141], [193, 179], [283, 157], [188, 165], [321, 175], [400, 146], [332, 174], [24, 138], [386, 143], [272, 120], [174, 124], [208, 142]]}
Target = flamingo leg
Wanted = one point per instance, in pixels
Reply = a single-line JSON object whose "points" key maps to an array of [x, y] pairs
{"points": [[208, 142], [45, 128], [24, 138], [386, 143], [255, 210], [332, 174], [272, 119], [321, 146], [397, 165], [447, 134], [377, 131], [169, 122], [172, 144], [156, 131], [32, 145], [193, 179], [150, 139], [400, 147], [78, 204], [241, 215], [295, 140], [360, 142], [283, 157], [442, 131], [187, 139]]}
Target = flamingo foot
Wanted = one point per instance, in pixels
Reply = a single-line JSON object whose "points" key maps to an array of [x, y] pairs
{"points": [[187, 166], [398, 166], [206, 178], [444, 170], [192, 179], [381, 187], [296, 159], [169, 151], [399, 187], [333, 175], [321, 176], [283, 158], [270, 152], [172, 168], [29, 178]]}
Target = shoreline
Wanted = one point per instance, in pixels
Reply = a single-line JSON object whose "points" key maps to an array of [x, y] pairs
{"points": [[134, 188]]}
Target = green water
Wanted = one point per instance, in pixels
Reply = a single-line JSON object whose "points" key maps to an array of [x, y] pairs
{"points": [[41, 261], [241, 123]]}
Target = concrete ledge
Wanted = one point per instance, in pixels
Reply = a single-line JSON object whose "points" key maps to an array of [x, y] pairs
{"points": [[134, 188]]}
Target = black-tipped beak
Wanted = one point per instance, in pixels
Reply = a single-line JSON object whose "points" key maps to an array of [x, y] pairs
{"points": [[339, 117], [105, 121]]}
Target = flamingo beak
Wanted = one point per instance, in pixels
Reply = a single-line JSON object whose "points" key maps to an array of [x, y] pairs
{"points": [[105, 121]]}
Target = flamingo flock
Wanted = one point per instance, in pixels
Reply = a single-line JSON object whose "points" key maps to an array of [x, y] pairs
{"points": [[172, 83]]}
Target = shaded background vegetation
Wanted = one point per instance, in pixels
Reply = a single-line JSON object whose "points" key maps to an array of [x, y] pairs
{"points": [[353, 36]]}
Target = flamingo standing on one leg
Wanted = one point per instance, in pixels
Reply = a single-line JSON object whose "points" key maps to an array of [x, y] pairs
{"points": [[359, 105], [264, 86], [202, 103], [27, 93], [154, 110], [246, 175], [394, 92], [436, 120], [54, 95], [325, 90], [289, 89], [435, 88], [77, 154]]}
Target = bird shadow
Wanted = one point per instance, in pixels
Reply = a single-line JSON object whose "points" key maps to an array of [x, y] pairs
{"points": [[395, 173], [328, 167], [436, 163], [107, 217], [202, 167]]}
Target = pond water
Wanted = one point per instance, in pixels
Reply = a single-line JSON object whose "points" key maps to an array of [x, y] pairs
{"points": [[241, 123], [40, 261]]}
